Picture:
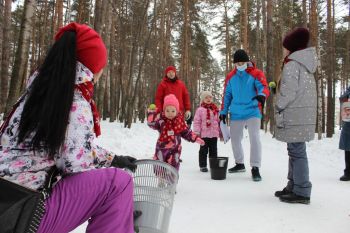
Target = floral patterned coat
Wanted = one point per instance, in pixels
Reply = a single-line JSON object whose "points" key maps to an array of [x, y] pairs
{"points": [[168, 149], [20, 164]]}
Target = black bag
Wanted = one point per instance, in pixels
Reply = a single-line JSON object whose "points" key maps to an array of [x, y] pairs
{"points": [[21, 208]]}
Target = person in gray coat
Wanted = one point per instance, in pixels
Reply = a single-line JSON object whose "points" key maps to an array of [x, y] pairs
{"points": [[296, 112], [344, 141]]}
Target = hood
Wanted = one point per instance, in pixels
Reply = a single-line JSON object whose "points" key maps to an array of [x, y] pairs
{"points": [[307, 57]]}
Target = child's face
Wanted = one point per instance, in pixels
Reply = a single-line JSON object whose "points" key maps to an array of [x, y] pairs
{"points": [[170, 112], [208, 99], [170, 74]]}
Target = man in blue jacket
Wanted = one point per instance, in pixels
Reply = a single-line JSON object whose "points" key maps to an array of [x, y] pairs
{"points": [[245, 92]]}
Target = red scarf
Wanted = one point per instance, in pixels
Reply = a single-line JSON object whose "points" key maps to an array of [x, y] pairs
{"points": [[172, 128], [209, 107], [87, 90]]}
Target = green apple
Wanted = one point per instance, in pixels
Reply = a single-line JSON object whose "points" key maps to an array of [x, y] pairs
{"points": [[152, 106]]}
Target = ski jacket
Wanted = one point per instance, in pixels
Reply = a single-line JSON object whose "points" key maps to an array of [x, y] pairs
{"points": [[200, 124], [177, 88], [239, 90], [297, 100], [169, 150]]}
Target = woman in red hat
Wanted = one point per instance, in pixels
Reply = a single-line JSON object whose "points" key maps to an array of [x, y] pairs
{"points": [[171, 84], [55, 123]]}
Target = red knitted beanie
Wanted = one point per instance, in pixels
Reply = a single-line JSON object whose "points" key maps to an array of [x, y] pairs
{"points": [[296, 39], [170, 68], [91, 51]]}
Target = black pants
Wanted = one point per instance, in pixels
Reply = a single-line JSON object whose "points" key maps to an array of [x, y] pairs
{"points": [[211, 146], [347, 163]]}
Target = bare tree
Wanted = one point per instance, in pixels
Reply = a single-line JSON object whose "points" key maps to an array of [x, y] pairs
{"points": [[5, 55], [19, 69]]}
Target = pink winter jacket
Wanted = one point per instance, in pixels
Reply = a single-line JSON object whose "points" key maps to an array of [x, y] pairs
{"points": [[200, 124]]}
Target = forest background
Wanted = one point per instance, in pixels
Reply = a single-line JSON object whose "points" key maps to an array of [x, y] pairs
{"points": [[143, 37]]}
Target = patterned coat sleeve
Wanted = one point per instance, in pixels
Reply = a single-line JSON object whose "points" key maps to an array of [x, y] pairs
{"points": [[189, 135], [79, 152], [153, 118]]}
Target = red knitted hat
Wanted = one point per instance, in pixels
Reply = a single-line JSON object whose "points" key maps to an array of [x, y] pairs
{"points": [[171, 100], [296, 39], [170, 68], [91, 51]]}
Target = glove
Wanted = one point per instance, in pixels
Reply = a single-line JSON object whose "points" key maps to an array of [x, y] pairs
{"points": [[124, 162], [260, 98], [187, 115], [200, 141], [222, 118]]}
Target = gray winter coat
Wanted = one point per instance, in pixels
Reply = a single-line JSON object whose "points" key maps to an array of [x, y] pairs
{"points": [[297, 100]]}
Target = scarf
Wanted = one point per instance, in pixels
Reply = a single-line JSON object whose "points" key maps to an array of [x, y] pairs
{"points": [[209, 107], [87, 90], [172, 127]]}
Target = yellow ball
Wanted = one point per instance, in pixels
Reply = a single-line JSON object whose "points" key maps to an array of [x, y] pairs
{"points": [[272, 84], [152, 106]]}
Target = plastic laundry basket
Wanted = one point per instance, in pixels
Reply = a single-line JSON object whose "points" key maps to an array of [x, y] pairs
{"points": [[154, 190], [218, 168]]}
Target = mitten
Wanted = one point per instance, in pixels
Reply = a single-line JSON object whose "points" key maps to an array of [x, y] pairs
{"points": [[222, 118], [260, 98], [124, 162], [200, 141]]}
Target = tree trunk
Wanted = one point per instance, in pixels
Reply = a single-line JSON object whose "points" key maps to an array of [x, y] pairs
{"points": [[259, 60], [269, 59], [315, 43], [244, 25], [304, 14], [19, 68], [5, 55], [330, 116]]}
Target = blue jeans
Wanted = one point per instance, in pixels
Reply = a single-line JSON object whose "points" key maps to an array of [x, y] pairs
{"points": [[298, 173]]}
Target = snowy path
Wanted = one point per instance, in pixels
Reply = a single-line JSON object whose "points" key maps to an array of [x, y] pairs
{"points": [[238, 204]]}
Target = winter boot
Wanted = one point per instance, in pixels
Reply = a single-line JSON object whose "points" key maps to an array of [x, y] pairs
{"points": [[345, 177], [204, 169], [284, 191], [293, 198], [238, 168], [255, 174]]}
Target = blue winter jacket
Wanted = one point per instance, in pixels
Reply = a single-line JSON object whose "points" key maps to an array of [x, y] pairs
{"points": [[239, 92]]}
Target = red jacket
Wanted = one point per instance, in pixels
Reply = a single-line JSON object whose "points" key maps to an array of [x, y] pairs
{"points": [[177, 88]]}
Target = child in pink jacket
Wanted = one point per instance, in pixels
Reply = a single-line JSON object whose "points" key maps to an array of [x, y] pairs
{"points": [[206, 125]]}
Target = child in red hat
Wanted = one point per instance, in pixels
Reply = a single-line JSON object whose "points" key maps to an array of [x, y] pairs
{"points": [[172, 127]]}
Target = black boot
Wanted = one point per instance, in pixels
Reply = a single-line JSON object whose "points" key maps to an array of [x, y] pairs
{"points": [[256, 174], [284, 191], [293, 198], [238, 168], [203, 169]]}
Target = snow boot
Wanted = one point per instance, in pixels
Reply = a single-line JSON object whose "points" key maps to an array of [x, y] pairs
{"points": [[238, 168], [204, 169], [256, 174], [284, 191], [293, 198], [345, 177]]}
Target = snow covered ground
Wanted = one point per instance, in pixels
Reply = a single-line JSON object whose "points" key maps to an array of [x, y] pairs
{"points": [[238, 204]]}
